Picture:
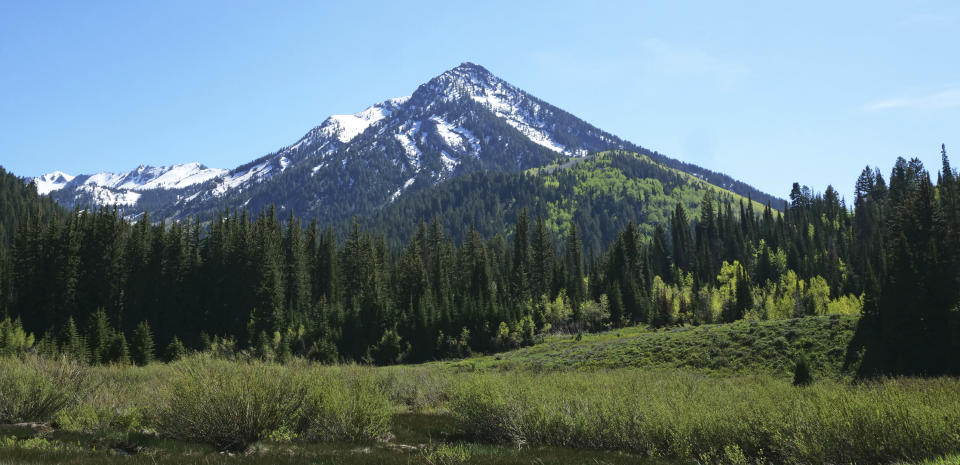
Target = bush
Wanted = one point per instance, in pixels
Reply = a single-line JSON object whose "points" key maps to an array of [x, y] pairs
{"points": [[228, 405], [106, 414], [345, 404], [34, 389], [418, 389]]}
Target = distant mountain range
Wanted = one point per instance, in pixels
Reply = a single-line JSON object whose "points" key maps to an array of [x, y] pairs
{"points": [[464, 120]]}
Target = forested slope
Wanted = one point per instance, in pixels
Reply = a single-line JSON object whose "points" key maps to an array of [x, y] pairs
{"points": [[600, 193]]}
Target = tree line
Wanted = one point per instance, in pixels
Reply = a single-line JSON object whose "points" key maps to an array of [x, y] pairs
{"points": [[278, 288]]}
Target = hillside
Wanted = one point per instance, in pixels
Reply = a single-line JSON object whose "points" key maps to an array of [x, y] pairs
{"points": [[601, 193], [744, 347]]}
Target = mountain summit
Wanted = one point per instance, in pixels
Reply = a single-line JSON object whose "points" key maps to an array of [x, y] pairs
{"points": [[463, 120]]}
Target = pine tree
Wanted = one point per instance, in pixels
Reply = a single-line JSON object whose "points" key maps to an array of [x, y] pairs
{"points": [[142, 347], [117, 351], [72, 344], [99, 337], [573, 265], [682, 239], [175, 351], [542, 256], [521, 259]]}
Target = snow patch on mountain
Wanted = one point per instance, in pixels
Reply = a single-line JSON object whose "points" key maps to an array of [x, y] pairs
{"points": [[239, 179], [407, 138], [504, 100], [449, 163], [167, 177], [446, 132], [106, 196], [50, 182], [401, 189], [140, 179], [346, 127]]}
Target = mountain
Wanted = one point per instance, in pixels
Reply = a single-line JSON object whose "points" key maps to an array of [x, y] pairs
{"points": [[463, 121], [125, 189]]}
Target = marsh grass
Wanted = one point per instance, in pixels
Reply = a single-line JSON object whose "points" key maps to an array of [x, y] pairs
{"points": [[688, 416], [191, 410]]}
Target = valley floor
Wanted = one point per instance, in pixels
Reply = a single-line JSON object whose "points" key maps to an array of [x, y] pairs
{"points": [[711, 394]]}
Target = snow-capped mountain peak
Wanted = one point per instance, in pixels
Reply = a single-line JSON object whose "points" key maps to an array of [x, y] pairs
{"points": [[50, 182], [520, 110], [123, 188], [463, 120], [140, 178]]}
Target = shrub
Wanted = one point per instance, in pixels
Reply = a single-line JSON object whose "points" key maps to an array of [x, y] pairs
{"points": [[112, 410], [228, 405], [345, 404], [34, 389], [418, 389]]}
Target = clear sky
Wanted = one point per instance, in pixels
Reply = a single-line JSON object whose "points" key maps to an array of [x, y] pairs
{"points": [[768, 92]]}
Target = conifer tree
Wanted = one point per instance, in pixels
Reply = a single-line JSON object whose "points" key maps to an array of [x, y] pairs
{"points": [[117, 351], [142, 346], [175, 351], [542, 256], [573, 265], [99, 337], [72, 344], [521, 259]]}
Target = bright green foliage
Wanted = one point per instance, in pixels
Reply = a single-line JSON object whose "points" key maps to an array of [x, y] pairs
{"points": [[745, 347], [13, 339]]}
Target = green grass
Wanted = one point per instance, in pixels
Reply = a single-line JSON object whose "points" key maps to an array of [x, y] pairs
{"points": [[676, 414], [746, 347], [709, 394]]}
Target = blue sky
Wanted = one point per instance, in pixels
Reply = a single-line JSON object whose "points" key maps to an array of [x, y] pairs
{"points": [[767, 92]]}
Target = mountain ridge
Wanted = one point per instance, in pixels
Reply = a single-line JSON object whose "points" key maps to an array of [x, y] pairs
{"points": [[463, 120]]}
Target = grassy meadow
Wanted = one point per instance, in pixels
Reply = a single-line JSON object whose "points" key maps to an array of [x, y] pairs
{"points": [[607, 398]]}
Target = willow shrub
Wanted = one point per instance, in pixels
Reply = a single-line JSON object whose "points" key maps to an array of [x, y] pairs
{"points": [[33, 389], [684, 415], [345, 404], [228, 405]]}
